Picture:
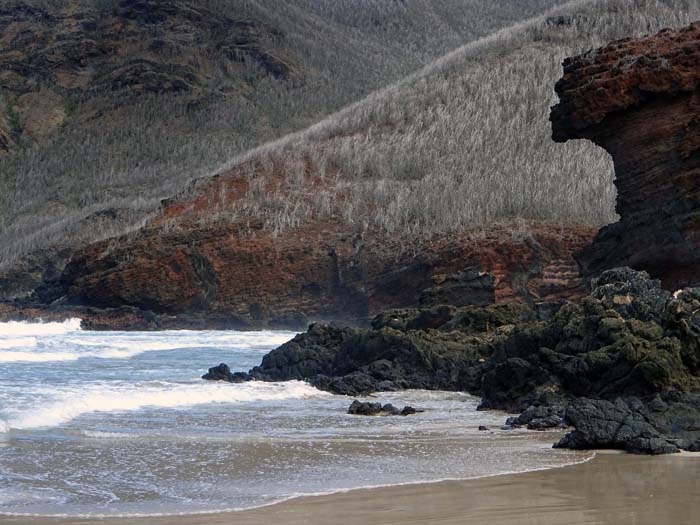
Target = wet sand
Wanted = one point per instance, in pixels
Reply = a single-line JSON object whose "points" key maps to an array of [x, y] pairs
{"points": [[612, 488]]}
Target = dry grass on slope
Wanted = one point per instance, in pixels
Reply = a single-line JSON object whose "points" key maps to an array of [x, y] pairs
{"points": [[119, 150], [462, 144]]}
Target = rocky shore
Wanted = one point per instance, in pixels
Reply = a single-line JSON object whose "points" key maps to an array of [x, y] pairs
{"points": [[620, 365]]}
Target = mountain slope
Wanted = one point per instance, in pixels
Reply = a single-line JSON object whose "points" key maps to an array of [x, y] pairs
{"points": [[109, 106], [453, 166]]}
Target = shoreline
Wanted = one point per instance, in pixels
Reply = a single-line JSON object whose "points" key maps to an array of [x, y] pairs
{"points": [[117, 518], [611, 487]]}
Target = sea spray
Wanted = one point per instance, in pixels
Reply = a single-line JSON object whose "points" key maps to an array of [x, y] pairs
{"points": [[24, 328]]}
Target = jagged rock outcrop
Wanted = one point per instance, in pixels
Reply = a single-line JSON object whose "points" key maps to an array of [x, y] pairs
{"points": [[442, 348], [629, 343], [639, 99]]}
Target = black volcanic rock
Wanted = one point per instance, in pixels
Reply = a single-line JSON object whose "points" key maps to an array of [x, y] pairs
{"points": [[394, 354], [629, 346], [539, 418], [628, 338], [661, 425], [358, 408], [223, 373]]}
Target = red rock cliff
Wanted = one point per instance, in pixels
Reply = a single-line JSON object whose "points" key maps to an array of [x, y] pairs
{"points": [[188, 261], [639, 99]]}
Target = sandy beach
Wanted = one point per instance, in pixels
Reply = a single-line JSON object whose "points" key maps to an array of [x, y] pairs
{"points": [[611, 488]]}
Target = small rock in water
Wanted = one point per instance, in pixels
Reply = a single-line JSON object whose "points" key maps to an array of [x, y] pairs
{"points": [[364, 409], [223, 373], [358, 408], [538, 418], [391, 410]]}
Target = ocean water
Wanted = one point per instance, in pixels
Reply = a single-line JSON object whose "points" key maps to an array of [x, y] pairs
{"points": [[120, 423]]}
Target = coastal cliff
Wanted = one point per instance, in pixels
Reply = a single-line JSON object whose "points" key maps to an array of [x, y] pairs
{"points": [[317, 271], [639, 99]]}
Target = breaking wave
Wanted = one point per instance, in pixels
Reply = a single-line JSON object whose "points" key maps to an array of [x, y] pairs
{"points": [[23, 328], [17, 342], [96, 398]]}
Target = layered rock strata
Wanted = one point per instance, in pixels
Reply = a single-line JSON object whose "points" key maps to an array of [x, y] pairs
{"points": [[316, 272]]}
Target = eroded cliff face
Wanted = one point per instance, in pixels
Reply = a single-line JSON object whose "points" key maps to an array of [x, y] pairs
{"points": [[318, 271], [640, 101]]}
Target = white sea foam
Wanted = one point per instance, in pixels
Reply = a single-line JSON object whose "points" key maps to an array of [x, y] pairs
{"points": [[17, 342], [21, 328], [99, 398], [16, 356], [14, 350], [118, 352]]}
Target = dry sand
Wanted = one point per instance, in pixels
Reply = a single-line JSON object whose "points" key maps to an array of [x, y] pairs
{"points": [[612, 488]]}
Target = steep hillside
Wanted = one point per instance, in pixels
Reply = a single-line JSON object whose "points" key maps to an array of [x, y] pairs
{"points": [[452, 167], [108, 106]]}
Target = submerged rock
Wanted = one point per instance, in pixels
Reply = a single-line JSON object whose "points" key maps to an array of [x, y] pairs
{"points": [[539, 418], [358, 408]]}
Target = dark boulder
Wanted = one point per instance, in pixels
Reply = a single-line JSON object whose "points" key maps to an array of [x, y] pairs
{"points": [[223, 373], [358, 408], [539, 418], [621, 424]]}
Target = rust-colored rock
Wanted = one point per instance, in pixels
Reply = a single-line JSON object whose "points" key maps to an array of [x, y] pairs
{"points": [[639, 99], [318, 271]]}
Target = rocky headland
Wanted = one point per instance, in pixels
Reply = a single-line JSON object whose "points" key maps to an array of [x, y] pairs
{"points": [[620, 365]]}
